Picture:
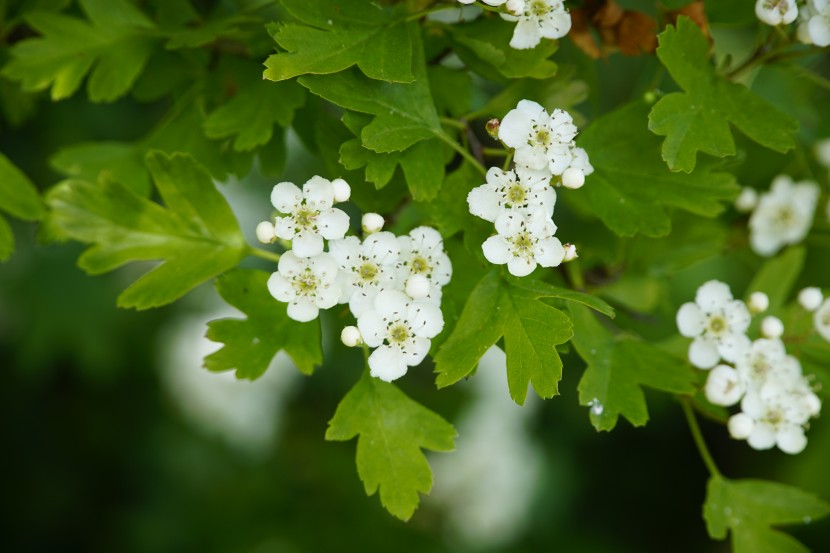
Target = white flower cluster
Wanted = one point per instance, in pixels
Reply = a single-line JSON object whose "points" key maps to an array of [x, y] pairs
{"points": [[535, 20], [812, 299], [392, 284], [814, 18], [775, 398], [520, 202], [781, 216]]}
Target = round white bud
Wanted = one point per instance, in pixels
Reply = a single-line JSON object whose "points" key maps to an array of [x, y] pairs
{"points": [[372, 222], [746, 200], [724, 386], [573, 178], [822, 150], [515, 7], [813, 404], [342, 190], [350, 336], [792, 440], [570, 252], [265, 232], [417, 287], [758, 302], [772, 327], [740, 426], [810, 298]]}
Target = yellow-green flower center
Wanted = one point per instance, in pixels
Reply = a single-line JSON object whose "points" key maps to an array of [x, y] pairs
{"points": [[368, 272], [717, 325], [522, 244], [539, 8], [516, 194], [305, 218], [306, 283], [420, 266], [398, 333]]}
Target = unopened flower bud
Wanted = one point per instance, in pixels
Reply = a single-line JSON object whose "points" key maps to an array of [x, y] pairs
{"points": [[747, 200], [417, 287], [515, 7], [810, 298], [492, 127], [740, 426], [371, 222], [573, 178], [758, 302], [265, 232], [342, 190], [772, 327], [570, 252], [350, 336]]}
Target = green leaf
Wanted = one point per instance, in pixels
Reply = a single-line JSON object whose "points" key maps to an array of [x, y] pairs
{"points": [[697, 120], [631, 187], [484, 45], [195, 235], [531, 329], [404, 113], [112, 47], [618, 366], [20, 197], [748, 509], [449, 211], [392, 430], [6, 240], [777, 276], [91, 161], [250, 116], [350, 33], [251, 344]]}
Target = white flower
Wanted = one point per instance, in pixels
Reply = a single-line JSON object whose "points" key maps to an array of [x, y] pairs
{"points": [[821, 319], [540, 140], [400, 330], [570, 252], [574, 176], [539, 19], [372, 222], [810, 298], [776, 12], [310, 216], [523, 242], [772, 327], [724, 386], [307, 284], [718, 324], [422, 254], [747, 200], [740, 426], [758, 302], [505, 191], [816, 27], [783, 216], [779, 411], [366, 268], [764, 359]]}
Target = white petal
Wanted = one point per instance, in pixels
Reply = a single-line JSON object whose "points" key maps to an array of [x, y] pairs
{"points": [[441, 269], [733, 345], [762, 436], [713, 295], [382, 247], [555, 25], [519, 266], [324, 267], [416, 350], [281, 288], [333, 224], [821, 319], [483, 202], [549, 252], [509, 224], [791, 439], [703, 353], [534, 157], [740, 426], [515, 128], [391, 304], [319, 193], [346, 251], [362, 300], [752, 405], [387, 363], [724, 386], [372, 327], [286, 197], [307, 243], [284, 228], [526, 35], [819, 30], [690, 320], [303, 310], [496, 250], [290, 265], [328, 295], [425, 320], [426, 239]]}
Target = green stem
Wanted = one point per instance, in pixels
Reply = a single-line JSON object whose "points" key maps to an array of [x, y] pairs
{"points": [[574, 272], [423, 13], [264, 254], [698, 437], [464, 153], [449, 121], [506, 165], [495, 152]]}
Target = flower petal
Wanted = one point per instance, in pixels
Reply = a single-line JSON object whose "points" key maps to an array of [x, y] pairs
{"points": [[319, 193], [519, 266], [387, 363], [281, 288], [286, 197], [713, 295], [496, 250], [333, 224], [303, 310], [690, 320], [307, 243], [703, 353], [372, 327]]}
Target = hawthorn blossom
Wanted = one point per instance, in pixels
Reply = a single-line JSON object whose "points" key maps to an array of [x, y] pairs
{"points": [[783, 215], [422, 255], [307, 284], [400, 330], [724, 386], [538, 19], [776, 12], [509, 191], [815, 23], [309, 215], [523, 242], [574, 176], [718, 324], [821, 319], [366, 268], [540, 140], [764, 359]]}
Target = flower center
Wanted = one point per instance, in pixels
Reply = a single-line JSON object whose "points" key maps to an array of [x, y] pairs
{"points": [[305, 218], [516, 194], [398, 333], [306, 283], [539, 8], [522, 244], [420, 266], [368, 272], [775, 416], [760, 366], [785, 216], [717, 325], [542, 137]]}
